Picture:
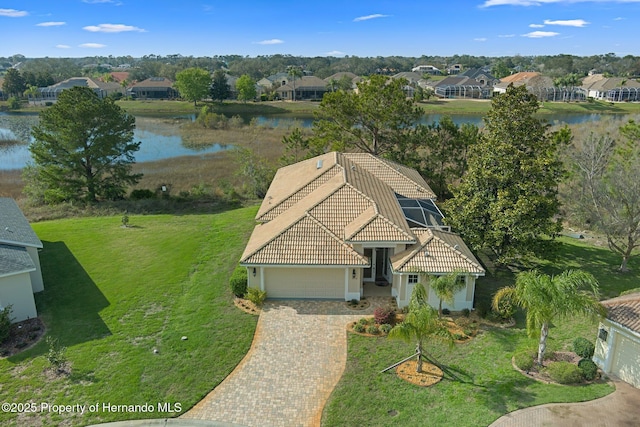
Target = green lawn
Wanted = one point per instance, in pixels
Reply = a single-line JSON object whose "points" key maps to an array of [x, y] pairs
{"points": [[547, 109], [113, 295], [482, 385]]}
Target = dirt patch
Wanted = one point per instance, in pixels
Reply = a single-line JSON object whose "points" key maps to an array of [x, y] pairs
{"points": [[247, 306], [357, 305], [429, 376], [22, 336]]}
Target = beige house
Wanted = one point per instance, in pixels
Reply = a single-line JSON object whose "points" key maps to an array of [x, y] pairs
{"points": [[20, 274], [349, 225], [617, 349]]}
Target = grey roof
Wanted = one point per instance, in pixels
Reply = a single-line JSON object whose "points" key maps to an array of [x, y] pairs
{"points": [[474, 73], [14, 227], [14, 260]]}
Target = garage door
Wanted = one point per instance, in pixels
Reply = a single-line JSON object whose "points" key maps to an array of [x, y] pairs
{"points": [[626, 360], [304, 283]]}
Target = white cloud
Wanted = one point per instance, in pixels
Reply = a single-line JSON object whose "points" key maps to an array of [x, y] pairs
{"points": [[368, 17], [480, 39], [92, 45], [489, 3], [112, 28], [335, 53], [540, 34], [50, 24], [619, 18], [536, 26], [506, 36], [271, 41], [12, 13], [567, 22], [63, 46]]}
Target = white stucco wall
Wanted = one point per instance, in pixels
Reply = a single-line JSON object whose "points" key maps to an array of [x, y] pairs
{"points": [[16, 290], [37, 284]]}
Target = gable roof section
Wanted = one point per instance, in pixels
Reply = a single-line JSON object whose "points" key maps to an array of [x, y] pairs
{"points": [[14, 260], [625, 310], [14, 227], [523, 75], [436, 252], [403, 180]]}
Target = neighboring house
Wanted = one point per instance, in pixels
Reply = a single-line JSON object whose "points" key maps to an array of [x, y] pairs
{"points": [[20, 274], [617, 349], [481, 75], [345, 225], [275, 80], [614, 89], [342, 75], [120, 76], [411, 77], [542, 87], [460, 87], [306, 87], [517, 79], [102, 89], [427, 69], [454, 69], [153, 88]]}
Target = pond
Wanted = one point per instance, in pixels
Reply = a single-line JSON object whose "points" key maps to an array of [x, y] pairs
{"points": [[160, 139]]}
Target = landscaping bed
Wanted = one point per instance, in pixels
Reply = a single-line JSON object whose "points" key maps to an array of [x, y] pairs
{"points": [[22, 336]]}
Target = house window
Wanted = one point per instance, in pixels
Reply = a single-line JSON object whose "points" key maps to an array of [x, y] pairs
{"points": [[603, 334], [413, 279]]}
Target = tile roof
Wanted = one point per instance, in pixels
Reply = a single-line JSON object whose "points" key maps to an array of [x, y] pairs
{"points": [[14, 260], [14, 227], [435, 252], [625, 310], [154, 82], [523, 75]]}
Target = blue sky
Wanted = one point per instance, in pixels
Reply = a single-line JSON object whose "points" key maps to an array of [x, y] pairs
{"points": [[78, 28]]}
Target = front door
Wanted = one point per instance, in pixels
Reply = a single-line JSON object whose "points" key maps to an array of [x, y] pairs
{"points": [[370, 272]]}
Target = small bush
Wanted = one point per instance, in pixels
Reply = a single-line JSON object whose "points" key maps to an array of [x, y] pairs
{"points": [[56, 354], [466, 312], [48, 103], [564, 372], [359, 327], [589, 369], [14, 103], [385, 328], [373, 330], [384, 315], [363, 321], [446, 311], [583, 347], [238, 281], [483, 308], [524, 360], [5, 323], [256, 296], [142, 193]]}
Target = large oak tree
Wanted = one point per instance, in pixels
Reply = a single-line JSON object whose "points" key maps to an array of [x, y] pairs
{"points": [[193, 84], [83, 149], [508, 200]]}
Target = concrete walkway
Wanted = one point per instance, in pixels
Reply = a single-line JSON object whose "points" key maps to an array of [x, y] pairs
{"points": [[297, 357], [618, 409]]}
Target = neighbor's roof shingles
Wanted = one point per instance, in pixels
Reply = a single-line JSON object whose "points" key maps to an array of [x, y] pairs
{"points": [[14, 227], [625, 310]]}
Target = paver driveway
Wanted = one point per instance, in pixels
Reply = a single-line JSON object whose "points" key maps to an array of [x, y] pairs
{"points": [[297, 356]]}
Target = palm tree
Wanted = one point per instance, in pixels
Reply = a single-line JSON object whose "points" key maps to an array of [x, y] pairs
{"points": [[294, 72], [446, 287], [124, 83], [31, 92], [421, 324], [547, 297]]}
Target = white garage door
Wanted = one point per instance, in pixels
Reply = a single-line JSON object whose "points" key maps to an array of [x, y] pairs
{"points": [[626, 360], [304, 283]]}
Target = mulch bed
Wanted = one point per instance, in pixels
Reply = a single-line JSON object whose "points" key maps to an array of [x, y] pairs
{"points": [[23, 335], [247, 306], [537, 373], [429, 376]]}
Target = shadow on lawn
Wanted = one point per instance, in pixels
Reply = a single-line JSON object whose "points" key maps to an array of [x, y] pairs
{"points": [[70, 302]]}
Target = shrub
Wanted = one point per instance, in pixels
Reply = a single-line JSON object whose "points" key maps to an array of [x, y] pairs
{"points": [[384, 315], [363, 321], [589, 369], [238, 281], [446, 311], [466, 312], [524, 360], [56, 354], [385, 328], [48, 103], [256, 296], [14, 103], [483, 308], [142, 193], [373, 330], [564, 372], [583, 347], [5, 323], [359, 327]]}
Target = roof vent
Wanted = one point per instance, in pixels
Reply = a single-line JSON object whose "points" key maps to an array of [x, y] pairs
{"points": [[353, 167], [426, 253], [456, 247], [319, 164]]}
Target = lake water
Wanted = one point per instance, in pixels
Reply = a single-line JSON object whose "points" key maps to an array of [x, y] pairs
{"points": [[160, 138]]}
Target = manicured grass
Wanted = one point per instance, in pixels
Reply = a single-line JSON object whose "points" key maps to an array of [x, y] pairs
{"points": [[113, 295], [481, 385]]}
